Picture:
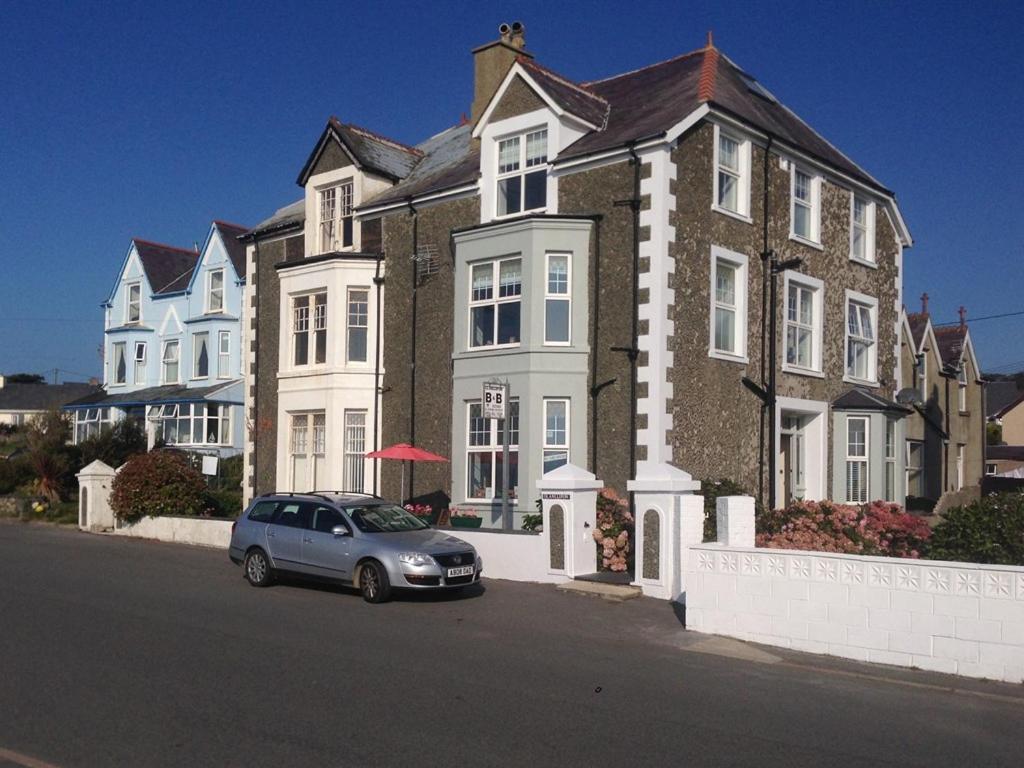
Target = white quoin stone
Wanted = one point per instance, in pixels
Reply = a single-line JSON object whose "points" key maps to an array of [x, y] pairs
{"points": [[569, 493], [669, 520], [735, 518], [94, 512]]}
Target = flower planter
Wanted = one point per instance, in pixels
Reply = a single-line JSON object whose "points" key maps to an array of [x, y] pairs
{"points": [[430, 519], [466, 522]]}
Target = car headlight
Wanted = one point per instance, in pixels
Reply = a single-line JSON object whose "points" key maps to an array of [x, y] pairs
{"points": [[416, 558]]}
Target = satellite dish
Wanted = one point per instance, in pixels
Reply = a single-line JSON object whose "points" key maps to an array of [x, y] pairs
{"points": [[909, 396]]}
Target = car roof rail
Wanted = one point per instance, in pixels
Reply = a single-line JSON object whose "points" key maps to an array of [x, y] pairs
{"points": [[350, 493]]}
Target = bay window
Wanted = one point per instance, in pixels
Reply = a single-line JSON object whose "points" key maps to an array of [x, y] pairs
{"points": [[89, 422], [309, 339], [862, 229], [192, 423], [522, 173], [556, 434], [307, 449], [494, 315], [484, 452], [169, 362], [557, 301], [336, 218], [728, 319], [861, 349], [358, 324], [857, 459]]}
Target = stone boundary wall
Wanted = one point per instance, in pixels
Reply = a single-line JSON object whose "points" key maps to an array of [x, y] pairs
{"points": [[182, 530], [516, 556], [959, 618]]}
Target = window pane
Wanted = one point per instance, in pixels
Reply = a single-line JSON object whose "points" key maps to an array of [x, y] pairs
{"points": [[537, 148], [806, 306], [508, 155], [508, 323], [802, 187], [728, 153], [483, 282], [509, 193], [802, 220], [479, 427], [482, 319], [725, 284], [202, 361], [554, 460], [558, 274], [355, 447], [858, 243], [725, 329], [555, 423], [510, 278], [513, 473], [556, 320], [120, 368], [856, 437], [536, 190], [480, 475], [357, 345]]}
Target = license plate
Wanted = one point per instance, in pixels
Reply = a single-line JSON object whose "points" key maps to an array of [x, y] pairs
{"points": [[466, 570]]}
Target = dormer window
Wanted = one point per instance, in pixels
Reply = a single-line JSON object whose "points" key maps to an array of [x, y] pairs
{"points": [[215, 291], [133, 303], [522, 173], [336, 217]]}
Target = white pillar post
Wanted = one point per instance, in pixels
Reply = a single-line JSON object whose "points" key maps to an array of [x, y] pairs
{"points": [[94, 512], [669, 519], [735, 518], [569, 504]]}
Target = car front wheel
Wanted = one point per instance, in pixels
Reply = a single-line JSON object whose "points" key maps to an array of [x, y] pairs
{"points": [[374, 583], [257, 569]]}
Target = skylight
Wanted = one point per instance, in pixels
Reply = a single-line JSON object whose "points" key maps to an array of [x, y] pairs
{"points": [[756, 88]]}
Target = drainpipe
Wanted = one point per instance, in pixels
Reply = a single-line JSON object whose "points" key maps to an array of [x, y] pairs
{"points": [[378, 281], [412, 345], [945, 444], [256, 365], [595, 388], [765, 256]]}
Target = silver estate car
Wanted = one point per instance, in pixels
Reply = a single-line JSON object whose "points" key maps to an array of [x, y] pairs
{"points": [[355, 539]]}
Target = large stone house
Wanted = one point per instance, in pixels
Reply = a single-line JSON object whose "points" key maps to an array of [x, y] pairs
{"points": [[945, 426], [608, 250], [172, 345]]}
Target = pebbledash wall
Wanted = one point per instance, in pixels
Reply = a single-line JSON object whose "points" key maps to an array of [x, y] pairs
{"points": [[960, 618]]}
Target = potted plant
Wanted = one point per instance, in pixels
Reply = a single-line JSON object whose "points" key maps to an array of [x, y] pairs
{"points": [[424, 512], [460, 519]]}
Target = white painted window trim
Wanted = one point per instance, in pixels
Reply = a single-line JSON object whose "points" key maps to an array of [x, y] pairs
{"points": [[814, 240], [122, 347], [869, 259], [818, 324], [739, 262], [961, 385], [493, 447], [522, 171], [494, 301], [309, 453], [922, 375], [743, 187], [547, 447], [872, 303], [311, 330], [209, 292], [889, 458], [129, 287], [908, 467], [960, 465], [548, 296], [337, 219], [865, 459], [139, 360], [349, 327], [167, 345], [351, 459], [223, 357], [195, 355]]}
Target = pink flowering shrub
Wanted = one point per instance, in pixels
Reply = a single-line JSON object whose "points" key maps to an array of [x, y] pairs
{"points": [[878, 528], [420, 510], [614, 531]]}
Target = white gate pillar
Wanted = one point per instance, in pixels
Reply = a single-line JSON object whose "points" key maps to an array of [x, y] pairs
{"points": [[94, 512], [669, 520], [569, 503]]}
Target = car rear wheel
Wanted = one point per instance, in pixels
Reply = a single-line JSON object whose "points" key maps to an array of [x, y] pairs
{"points": [[374, 583], [257, 569]]}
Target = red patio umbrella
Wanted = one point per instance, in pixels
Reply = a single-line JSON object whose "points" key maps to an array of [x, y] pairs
{"points": [[404, 452]]}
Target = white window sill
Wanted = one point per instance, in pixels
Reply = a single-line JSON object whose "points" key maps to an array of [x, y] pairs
{"points": [[731, 214], [494, 347], [804, 241], [200, 378], [864, 262], [728, 357], [797, 370], [562, 344], [862, 382], [517, 214]]}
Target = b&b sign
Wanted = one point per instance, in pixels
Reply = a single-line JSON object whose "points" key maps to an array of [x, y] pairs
{"points": [[494, 401]]}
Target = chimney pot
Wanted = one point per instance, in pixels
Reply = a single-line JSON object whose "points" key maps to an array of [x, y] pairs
{"points": [[963, 316], [491, 62]]}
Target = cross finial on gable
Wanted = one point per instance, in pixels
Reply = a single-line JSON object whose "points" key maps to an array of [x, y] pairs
{"points": [[924, 303], [711, 39], [963, 316]]}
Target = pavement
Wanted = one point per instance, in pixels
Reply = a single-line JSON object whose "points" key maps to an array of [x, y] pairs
{"points": [[117, 652]]}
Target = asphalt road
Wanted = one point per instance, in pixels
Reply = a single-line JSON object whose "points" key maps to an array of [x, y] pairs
{"points": [[129, 653]]}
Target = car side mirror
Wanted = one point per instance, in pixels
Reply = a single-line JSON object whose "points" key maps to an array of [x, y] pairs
{"points": [[340, 530]]}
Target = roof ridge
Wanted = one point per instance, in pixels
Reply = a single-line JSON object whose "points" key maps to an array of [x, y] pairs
{"points": [[562, 79], [189, 251], [222, 223], [373, 135], [646, 66], [708, 75]]}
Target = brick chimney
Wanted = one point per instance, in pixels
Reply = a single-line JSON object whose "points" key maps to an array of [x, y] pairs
{"points": [[491, 62]]}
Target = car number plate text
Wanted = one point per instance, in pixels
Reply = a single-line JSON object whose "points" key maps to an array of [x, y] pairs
{"points": [[466, 570]]}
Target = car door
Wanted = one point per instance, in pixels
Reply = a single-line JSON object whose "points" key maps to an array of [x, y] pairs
{"points": [[285, 534], [326, 554]]}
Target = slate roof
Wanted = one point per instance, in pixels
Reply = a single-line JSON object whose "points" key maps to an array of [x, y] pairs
{"points": [[229, 234], [168, 393], [167, 268], [571, 96], [951, 343], [857, 399], [286, 217], [1000, 397], [42, 397], [918, 322]]}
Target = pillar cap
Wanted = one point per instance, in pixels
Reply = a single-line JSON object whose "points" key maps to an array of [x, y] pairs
{"points": [[569, 477], [660, 477], [96, 468]]}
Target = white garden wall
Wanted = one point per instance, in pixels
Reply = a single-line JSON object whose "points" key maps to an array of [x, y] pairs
{"points": [[960, 618], [512, 556], [184, 530]]}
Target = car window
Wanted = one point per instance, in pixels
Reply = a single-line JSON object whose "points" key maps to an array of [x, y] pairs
{"points": [[262, 511], [384, 518], [293, 514], [325, 518]]}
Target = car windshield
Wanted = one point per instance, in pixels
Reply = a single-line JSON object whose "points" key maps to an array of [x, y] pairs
{"points": [[385, 518]]}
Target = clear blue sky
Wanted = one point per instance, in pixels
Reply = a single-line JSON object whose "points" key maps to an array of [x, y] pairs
{"points": [[127, 119]]}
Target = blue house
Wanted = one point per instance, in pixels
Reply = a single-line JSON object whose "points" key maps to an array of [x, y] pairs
{"points": [[172, 346]]}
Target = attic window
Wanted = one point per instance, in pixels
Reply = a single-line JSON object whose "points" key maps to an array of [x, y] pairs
{"points": [[756, 88], [522, 173], [336, 217]]}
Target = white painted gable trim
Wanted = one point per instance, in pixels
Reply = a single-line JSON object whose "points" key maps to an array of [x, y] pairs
{"points": [[169, 318]]}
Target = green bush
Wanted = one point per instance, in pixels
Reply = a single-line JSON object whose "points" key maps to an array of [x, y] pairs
{"points": [[990, 531], [712, 489], [224, 503], [158, 483], [52, 458], [14, 473], [114, 445]]}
